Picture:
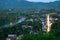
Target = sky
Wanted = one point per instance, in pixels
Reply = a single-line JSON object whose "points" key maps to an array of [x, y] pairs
{"points": [[41, 0]]}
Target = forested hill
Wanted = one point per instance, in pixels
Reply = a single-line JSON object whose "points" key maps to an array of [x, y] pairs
{"points": [[23, 5]]}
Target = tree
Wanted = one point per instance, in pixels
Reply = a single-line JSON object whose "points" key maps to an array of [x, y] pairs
{"points": [[56, 29]]}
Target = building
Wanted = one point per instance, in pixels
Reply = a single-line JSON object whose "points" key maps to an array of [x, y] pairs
{"points": [[11, 37], [46, 24]]}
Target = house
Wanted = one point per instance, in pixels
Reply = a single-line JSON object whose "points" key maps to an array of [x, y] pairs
{"points": [[11, 37]]}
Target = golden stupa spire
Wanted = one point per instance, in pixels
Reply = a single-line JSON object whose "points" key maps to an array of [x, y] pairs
{"points": [[48, 26]]}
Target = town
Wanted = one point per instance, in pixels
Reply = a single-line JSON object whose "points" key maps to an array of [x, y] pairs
{"points": [[17, 26]]}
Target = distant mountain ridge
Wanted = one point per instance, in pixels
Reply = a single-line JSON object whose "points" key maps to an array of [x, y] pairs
{"points": [[25, 5]]}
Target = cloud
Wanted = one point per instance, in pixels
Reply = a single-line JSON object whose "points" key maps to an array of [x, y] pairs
{"points": [[41, 0]]}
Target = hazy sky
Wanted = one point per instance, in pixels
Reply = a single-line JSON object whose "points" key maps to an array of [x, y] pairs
{"points": [[41, 0]]}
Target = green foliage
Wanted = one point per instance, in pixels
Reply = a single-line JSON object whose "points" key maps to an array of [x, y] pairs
{"points": [[39, 36], [56, 29]]}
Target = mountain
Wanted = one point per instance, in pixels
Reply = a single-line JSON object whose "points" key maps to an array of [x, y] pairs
{"points": [[25, 5]]}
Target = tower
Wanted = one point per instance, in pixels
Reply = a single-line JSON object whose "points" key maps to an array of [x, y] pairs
{"points": [[48, 24]]}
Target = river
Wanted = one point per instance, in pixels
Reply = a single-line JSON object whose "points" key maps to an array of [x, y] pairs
{"points": [[10, 25]]}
